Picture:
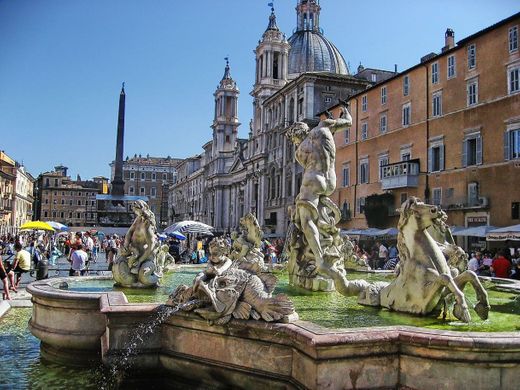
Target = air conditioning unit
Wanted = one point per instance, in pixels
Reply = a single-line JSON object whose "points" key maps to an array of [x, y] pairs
{"points": [[483, 201]]}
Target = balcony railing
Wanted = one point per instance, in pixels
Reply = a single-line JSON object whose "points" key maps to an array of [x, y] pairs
{"points": [[400, 175], [480, 202]]}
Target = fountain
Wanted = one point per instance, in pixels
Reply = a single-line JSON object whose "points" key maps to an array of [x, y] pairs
{"points": [[229, 328], [136, 263]]}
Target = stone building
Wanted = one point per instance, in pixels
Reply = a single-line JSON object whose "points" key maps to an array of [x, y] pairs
{"points": [[151, 177], [71, 202], [7, 193], [295, 79], [446, 130], [24, 198]]}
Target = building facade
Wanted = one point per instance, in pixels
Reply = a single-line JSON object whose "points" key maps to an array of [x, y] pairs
{"points": [[295, 79], [446, 130], [24, 197], [7, 193], [151, 177], [71, 202]]}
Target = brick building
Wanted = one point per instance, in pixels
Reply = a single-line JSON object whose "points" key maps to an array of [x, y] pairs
{"points": [[446, 130], [150, 177], [71, 202]]}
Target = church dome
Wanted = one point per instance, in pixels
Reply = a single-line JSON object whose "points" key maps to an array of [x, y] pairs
{"points": [[310, 51]]}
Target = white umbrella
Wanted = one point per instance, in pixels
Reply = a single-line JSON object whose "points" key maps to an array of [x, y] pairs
{"points": [[57, 225], [504, 234], [190, 227]]}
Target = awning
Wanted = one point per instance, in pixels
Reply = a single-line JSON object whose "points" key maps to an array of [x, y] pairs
{"points": [[504, 234], [371, 232], [476, 231]]}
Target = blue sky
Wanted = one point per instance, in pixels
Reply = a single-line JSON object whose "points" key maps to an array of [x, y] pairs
{"points": [[62, 63]]}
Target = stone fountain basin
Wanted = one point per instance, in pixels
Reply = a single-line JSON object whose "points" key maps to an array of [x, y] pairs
{"points": [[83, 328]]}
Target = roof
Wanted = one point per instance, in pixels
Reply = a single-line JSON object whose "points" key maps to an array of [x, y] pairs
{"points": [[130, 198]]}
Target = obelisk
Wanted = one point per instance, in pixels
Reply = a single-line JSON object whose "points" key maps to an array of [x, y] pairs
{"points": [[118, 184]]}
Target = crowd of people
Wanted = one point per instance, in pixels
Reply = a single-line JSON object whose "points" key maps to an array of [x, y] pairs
{"points": [[378, 255], [504, 263]]}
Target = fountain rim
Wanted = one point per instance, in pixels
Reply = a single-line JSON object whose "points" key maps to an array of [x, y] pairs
{"points": [[116, 302]]}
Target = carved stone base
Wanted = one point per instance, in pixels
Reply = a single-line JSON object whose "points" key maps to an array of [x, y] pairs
{"points": [[317, 283]]}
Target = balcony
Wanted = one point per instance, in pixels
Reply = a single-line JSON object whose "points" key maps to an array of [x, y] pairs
{"points": [[400, 175], [480, 202]]}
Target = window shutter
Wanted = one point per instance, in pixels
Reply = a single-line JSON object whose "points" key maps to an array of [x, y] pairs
{"points": [[464, 154], [368, 172], [507, 155], [441, 158], [430, 161], [479, 150]]}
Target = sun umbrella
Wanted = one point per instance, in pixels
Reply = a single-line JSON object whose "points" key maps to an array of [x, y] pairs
{"points": [[36, 225], [476, 231], [57, 225], [504, 234], [177, 235], [190, 227]]}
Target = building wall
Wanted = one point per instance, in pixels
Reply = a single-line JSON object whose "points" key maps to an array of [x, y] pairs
{"points": [[496, 111]]}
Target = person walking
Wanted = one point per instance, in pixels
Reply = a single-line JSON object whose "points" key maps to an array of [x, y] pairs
{"points": [[501, 267], [79, 261]]}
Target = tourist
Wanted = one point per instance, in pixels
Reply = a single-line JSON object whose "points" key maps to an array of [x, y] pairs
{"points": [[473, 263], [382, 254], [501, 266], [88, 244], [393, 253], [487, 260], [4, 276], [21, 265], [78, 261]]}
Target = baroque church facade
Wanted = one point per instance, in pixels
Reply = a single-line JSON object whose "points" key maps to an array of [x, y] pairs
{"points": [[295, 80]]}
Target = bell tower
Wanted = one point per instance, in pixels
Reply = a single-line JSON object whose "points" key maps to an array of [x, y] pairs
{"points": [[272, 55], [308, 15], [225, 122]]}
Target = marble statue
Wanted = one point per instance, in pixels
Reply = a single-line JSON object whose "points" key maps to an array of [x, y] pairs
{"points": [[164, 259], [135, 265], [314, 246], [246, 250], [224, 291], [425, 277], [350, 260]]}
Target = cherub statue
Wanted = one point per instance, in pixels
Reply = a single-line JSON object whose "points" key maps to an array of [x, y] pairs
{"points": [[164, 259]]}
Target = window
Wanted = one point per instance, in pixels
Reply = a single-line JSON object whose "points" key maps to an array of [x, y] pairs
{"points": [[164, 176], [361, 205], [70, 214], [141, 190], [132, 175], [383, 95], [62, 215], [364, 131], [153, 192], [79, 202], [347, 135], [435, 73], [45, 214], [63, 201], [436, 156], [472, 150], [346, 175], [472, 56], [406, 85], [364, 103], [78, 215], [472, 92], [383, 160], [515, 210], [131, 190], [154, 176], [364, 171], [513, 38], [70, 202], [142, 176], [451, 67], [437, 104], [373, 77], [513, 82], [437, 196], [382, 123], [512, 144], [55, 182], [407, 110], [473, 194]]}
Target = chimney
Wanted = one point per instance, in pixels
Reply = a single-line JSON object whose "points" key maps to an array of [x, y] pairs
{"points": [[449, 40]]}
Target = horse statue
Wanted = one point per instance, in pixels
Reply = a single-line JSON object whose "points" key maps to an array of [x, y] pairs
{"points": [[425, 277], [136, 264]]}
